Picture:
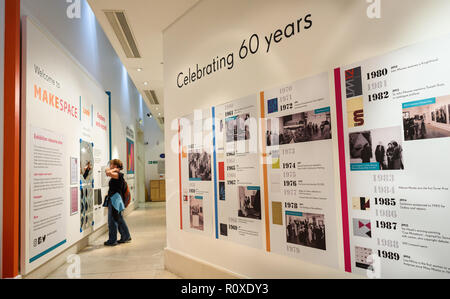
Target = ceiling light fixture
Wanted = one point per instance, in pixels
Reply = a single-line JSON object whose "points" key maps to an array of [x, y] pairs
{"points": [[139, 69], [145, 83]]}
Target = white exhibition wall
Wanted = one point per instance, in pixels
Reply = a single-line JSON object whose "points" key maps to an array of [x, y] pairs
{"points": [[84, 41], [58, 148], [341, 34], [2, 48]]}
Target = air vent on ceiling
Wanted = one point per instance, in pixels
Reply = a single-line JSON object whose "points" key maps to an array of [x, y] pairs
{"points": [[122, 29], [151, 96]]}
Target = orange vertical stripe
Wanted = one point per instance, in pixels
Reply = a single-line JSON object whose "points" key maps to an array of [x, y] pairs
{"points": [[264, 156], [11, 141]]}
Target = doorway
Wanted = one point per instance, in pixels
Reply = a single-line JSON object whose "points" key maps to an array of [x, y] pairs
{"points": [[141, 192]]}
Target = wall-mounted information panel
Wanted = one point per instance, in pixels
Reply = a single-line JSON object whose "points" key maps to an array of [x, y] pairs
{"points": [[396, 133], [239, 213], [277, 166], [196, 177], [299, 170], [65, 143]]}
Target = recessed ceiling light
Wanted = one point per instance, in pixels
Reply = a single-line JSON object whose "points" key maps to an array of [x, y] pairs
{"points": [[157, 108], [139, 69], [145, 83], [159, 114]]}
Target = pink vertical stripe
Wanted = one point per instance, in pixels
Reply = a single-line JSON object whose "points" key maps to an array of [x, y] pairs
{"points": [[342, 169]]}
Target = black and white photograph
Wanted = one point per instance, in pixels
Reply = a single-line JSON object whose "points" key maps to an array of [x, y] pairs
{"points": [[249, 202], [199, 166], [223, 229], [86, 162], [382, 146], [196, 212], [221, 190], [299, 127], [427, 121], [441, 115], [243, 127], [238, 127], [231, 129], [306, 229], [98, 197]]}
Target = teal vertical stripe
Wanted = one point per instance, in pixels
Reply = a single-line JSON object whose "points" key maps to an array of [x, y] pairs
{"points": [[110, 128]]}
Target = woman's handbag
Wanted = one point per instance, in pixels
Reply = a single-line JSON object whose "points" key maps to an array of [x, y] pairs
{"points": [[106, 201]]}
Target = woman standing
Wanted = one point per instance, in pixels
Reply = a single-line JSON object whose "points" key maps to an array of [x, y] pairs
{"points": [[397, 162], [390, 156], [116, 205]]}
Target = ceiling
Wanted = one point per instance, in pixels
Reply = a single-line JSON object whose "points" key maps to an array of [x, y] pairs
{"points": [[146, 19]]}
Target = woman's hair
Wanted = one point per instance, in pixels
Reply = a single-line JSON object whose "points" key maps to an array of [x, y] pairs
{"points": [[117, 163]]}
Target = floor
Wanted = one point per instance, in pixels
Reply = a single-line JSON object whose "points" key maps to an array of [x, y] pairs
{"points": [[141, 259], [433, 132]]}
